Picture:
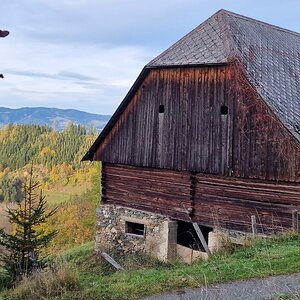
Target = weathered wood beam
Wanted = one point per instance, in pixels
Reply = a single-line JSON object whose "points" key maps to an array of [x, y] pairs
{"points": [[202, 239], [253, 225], [111, 261], [295, 220]]}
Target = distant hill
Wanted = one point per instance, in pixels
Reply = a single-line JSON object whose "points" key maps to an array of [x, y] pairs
{"points": [[52, 117]]}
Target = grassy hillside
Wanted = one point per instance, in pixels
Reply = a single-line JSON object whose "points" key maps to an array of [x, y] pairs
{"points": [[21, 144], [59, 193], [56, 157], [64, 179], [80, 274]]}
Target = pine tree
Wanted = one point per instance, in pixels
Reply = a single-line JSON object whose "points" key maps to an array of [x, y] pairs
{"points": [[22, 248]]}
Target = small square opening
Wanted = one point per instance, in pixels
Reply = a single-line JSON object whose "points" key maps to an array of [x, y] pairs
{"points": [[161, 109], [135, 228], [224, 110]]}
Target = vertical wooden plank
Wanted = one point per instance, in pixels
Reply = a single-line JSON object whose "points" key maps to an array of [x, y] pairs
{"points": [[201, 128], [189, 120], [194, 124], [155, 102], [171, 110], [134, 138], [173, 122], [177, 119], [216, 121], [206, 127], [160, 139], [148, 121], [168, 147], [295, 220], [253, 225]]}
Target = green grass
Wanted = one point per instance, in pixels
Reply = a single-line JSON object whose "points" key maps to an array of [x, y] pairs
{"points": [[144, 276], [287, 297], [59, 194], [78, 254], [260, 260]]}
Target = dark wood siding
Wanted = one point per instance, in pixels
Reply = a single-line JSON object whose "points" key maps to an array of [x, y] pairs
{"points": [[162, 191], [214, 200], [192, 135], [230, 202], [262, 146]]}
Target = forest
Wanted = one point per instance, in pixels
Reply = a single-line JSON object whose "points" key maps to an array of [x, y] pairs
{"points": [[68, 183], [55, 155]]}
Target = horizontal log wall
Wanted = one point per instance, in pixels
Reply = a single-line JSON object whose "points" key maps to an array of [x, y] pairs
{"points": [[193, 135], [159, 191], [213, 200], [230, 203]]}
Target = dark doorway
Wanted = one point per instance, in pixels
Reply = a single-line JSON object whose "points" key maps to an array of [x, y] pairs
{"points": [[187, 236]]}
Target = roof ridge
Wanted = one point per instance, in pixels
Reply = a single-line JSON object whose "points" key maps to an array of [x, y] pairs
{"points": [[222, 17], [228, 40], [227, 12]]}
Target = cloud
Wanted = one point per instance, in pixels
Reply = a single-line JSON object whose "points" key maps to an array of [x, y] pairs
{"points": [[61, 75], [86, 54], [73, 75], [88, 78], [28, 73]]}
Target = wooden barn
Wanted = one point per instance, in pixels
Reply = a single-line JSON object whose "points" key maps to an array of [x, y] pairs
{"points": [[209, 133]]}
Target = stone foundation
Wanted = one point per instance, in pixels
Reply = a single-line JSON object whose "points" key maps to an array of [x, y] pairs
{"points": [[154, 234], [158, 240]]}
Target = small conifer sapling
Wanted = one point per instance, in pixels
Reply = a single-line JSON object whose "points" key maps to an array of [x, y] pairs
{"points": [[21, 249]]}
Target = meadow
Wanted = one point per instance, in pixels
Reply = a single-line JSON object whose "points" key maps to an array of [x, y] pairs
{"points": [[79, 273]]}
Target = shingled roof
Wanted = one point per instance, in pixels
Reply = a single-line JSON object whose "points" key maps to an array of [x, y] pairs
{"points": [[270, 54]]}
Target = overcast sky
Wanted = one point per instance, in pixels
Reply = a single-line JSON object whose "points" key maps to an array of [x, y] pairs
{"points": [[86, 54]]}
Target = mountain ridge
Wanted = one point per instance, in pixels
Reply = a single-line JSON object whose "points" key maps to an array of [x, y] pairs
{"points": [[51, 116]]}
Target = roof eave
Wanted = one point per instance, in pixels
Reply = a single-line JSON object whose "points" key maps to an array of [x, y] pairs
{"points": [[192, 65], [89, 155]]}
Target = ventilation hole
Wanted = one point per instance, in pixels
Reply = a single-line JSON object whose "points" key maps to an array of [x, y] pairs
{"points": [[135, 228], [161, 109], [224, 110]]}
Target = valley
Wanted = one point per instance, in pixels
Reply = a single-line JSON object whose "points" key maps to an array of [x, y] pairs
{"points": [[55, 118]]}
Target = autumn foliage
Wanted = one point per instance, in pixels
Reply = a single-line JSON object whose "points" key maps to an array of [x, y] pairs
{"points": [[22, 248]]}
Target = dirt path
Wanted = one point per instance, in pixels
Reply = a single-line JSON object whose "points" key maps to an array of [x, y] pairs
{"points": [[255, 289]]}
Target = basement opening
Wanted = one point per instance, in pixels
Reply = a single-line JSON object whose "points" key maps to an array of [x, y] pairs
{"points": [[224, 110], [187, 236], [135, 228], [161, 109]]}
